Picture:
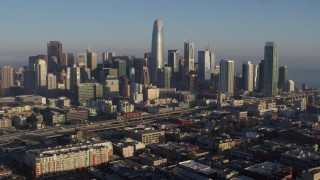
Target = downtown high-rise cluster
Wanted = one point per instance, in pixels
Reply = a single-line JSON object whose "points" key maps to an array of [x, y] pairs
{"points": [[59, 73]]}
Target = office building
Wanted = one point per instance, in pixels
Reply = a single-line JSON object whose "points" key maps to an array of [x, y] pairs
{"points": [[188, 57], [107, 58], [270, 83], [85, 74], [107, 72], [7, 80], [124, 86], [138, 64], [88, 91], [51, 81], [136, 88], [54, 48], [164, 75], [29, 79], [247, 76], [255, 77], [67, 60], [173, 62], [261, 69], [120, 65], [156, 61], [226, 79], [92, 59], [41, 76], [205, 67], [151, 93], [81, 60], [132, 75], [288, 86], [283, 76], [145, 78], [146, 136], [111, 87]]}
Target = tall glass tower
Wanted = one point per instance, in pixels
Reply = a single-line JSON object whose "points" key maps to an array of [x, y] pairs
{"points": [[156, 62], [189, 56], [270, 83], [227, 76], [283, 76]]}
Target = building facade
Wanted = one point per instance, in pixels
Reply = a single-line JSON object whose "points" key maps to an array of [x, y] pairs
{"points": [[270, 83], [157, 61]]}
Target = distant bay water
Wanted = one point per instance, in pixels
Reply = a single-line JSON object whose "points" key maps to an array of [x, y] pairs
{"points": [[305, 76]]}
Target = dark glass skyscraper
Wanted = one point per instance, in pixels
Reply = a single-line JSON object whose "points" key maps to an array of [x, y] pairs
{"points": [[156, 62], [173, 62], [283, 76], [54, 48], [270, 83]]}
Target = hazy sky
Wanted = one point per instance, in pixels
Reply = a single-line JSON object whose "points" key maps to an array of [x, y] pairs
{"points": [[234, 29]]}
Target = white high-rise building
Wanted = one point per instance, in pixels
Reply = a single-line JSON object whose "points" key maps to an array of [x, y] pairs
{"points": [[40, 76], [157, 61], [247, 76], [189, 56], [68, 78], [205, 66], [51, 81], [289, 86], [226, 80], [255, 76], [82, 59]]}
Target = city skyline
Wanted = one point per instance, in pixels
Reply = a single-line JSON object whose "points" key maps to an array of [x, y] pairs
{"points": [[234, 35]]}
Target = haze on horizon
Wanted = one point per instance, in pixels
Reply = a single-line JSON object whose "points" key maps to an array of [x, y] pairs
{"points": [[234, 29]]}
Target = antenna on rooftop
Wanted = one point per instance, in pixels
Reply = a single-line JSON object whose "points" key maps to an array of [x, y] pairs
{"points": [[208, 45]]}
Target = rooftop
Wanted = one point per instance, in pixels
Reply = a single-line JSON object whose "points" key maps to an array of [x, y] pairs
{"points": [[197, 167], [266, 168]]}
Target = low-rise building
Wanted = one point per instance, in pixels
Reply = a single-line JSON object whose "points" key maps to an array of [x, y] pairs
{"points": [[300, 159], [268, 171], [146, 135], [194, 170], [152, 160], [123, 149], [311, 174]]}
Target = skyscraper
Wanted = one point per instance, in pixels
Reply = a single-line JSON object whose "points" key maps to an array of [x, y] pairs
{"points": [[41, 76], [255, 76], [51, 81], [82, 59], [173, 62], [156, 62], [164, 75], [7, 79], [145, 78], [189, 56], [247, 76], [205, 66], [270, 83], [92, 59], [226, 80], [283, 76], [54, 49], [67, 60], [107, 58], [261, 69], [121, 66]]}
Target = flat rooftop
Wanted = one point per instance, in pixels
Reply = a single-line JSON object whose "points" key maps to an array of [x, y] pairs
{"points": [[197, 167], [266, 168]]}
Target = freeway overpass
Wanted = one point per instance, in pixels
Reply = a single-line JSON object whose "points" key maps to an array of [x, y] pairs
{"points": [[54, 131]]}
